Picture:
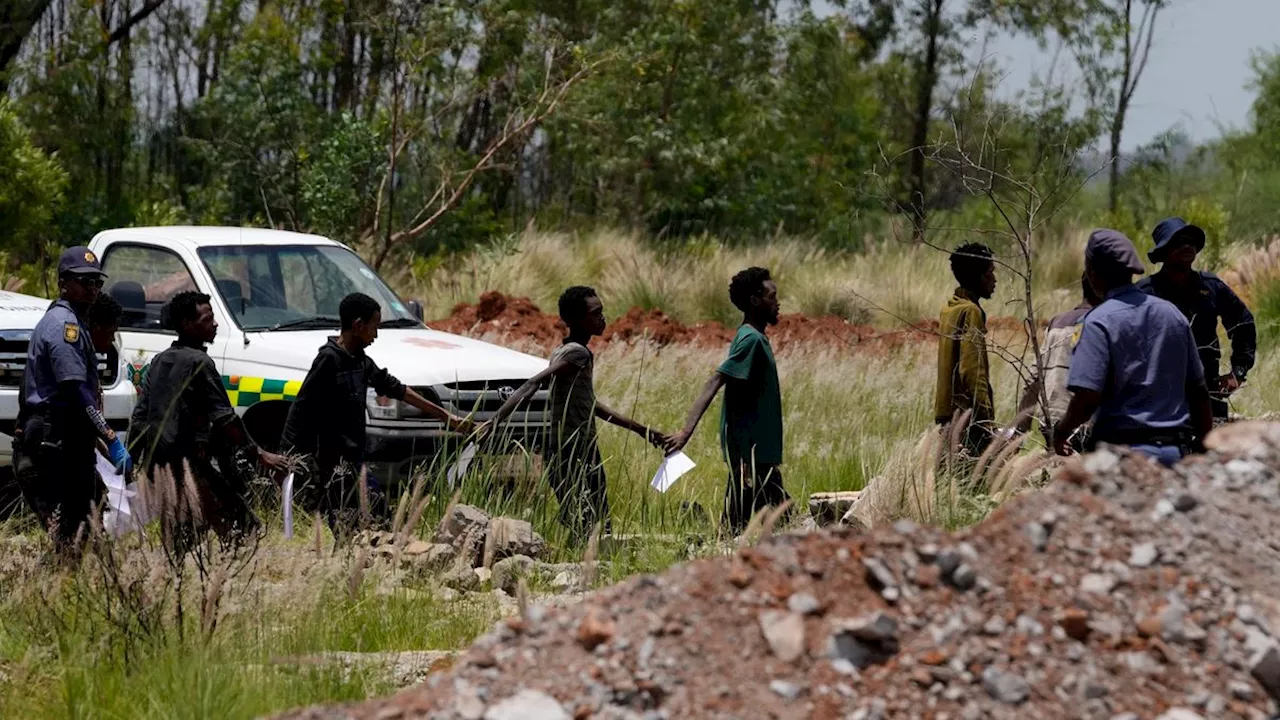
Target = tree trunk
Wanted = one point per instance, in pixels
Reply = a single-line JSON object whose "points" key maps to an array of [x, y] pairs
{"points": [[1117, 130], [17, 20], [927, 79]]}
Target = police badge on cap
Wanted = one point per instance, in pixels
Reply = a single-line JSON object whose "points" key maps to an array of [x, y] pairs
{"points": [[79, 260]]}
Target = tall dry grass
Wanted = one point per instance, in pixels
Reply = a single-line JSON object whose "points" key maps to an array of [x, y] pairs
{"points": [[885, 284]]}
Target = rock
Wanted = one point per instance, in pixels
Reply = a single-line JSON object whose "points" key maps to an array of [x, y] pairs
{"points": [[995, 625], [564, 581], [1144, 555], [1185, 502], [595, 629], [1241, 690], [803, 604], [1005, 686], [875, 710], [462, 520], [948, 560], [1179, 714], [1101, 462], [1247, 439], [483, 574], [467, 704], [1075, 623], [1039, 535], [507, 537], [868, 640], [878, 575], [875, 628], [507, 572], [786, 690], [1097, 583], [527, 705], [461, 577], [965, 577], [826, 508], [784, 631], [1264, 666], [417, 547]]}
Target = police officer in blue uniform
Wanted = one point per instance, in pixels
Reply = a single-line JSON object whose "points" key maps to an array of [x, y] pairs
{"points": [[1136, 365], [60, 420], [1204, 299]]}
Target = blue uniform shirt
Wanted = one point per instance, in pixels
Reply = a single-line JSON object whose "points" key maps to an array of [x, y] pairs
{"points": [[60, 351], [1137, 350]]}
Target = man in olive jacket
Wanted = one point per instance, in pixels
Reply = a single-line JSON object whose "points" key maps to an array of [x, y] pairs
{"points": [[964, 372]]}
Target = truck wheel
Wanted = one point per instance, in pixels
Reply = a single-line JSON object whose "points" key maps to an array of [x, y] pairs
{"points": [[265, 423]]}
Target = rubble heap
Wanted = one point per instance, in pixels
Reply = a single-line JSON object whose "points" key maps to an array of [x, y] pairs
{"points": [[1123, 591]]}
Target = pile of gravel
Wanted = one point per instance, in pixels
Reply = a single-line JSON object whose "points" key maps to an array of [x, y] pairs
{"points": [[1122, 591]]}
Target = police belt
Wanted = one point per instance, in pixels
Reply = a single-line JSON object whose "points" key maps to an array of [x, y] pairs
{"points": [[1160, 437]]}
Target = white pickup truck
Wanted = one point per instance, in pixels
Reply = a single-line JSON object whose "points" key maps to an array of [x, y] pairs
{"points": [[275, 296]]}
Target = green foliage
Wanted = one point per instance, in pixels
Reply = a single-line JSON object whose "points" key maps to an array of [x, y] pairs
{"points": [[339, 178], [32, 187]]}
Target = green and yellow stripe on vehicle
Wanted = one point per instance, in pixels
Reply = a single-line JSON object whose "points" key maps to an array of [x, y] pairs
{"points": [[244, 391]]}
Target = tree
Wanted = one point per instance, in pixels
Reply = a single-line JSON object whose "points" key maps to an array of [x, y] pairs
{"points": [[31, 189], [1131, 61]]}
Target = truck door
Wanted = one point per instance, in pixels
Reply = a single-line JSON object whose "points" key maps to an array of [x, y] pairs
{"points": [[143, 278]]}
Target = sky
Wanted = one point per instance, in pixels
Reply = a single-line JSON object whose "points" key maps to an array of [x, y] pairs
{"points": [[1197, 73]]}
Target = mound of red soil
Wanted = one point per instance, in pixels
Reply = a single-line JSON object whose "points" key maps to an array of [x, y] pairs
{"points": [[517, 320], [659, 328], [505, 318]]}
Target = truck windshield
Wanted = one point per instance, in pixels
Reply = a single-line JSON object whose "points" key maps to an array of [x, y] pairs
{"points": [[295, 287]]}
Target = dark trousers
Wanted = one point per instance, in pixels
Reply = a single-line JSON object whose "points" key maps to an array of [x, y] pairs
{"points": [[752, 487], [576, 476], [57, 478], [220, 498], [331, 487]]}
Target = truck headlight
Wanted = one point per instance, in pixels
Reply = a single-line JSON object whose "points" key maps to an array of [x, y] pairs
{"points": [[382, 408]]}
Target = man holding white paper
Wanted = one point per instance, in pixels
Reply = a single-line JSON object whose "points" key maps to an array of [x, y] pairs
{"points": [[751, 421]]}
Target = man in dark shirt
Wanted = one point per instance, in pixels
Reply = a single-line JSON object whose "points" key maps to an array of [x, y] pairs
{"points": [[751, 420], [1203, 298], [575, 469], [327, 420], [183, 419]]}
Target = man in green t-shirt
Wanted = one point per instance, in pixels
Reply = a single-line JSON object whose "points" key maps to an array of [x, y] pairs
{"points": [[751, 421]]}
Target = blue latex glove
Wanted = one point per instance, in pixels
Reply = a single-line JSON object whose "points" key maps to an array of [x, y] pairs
{"points": [[119, 456]]}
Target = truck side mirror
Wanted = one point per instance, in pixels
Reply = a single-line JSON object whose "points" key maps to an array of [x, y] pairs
{"points": [[415, 309]]}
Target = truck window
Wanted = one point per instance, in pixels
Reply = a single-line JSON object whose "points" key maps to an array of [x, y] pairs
{"points": [[142, 279], [271, 287]]}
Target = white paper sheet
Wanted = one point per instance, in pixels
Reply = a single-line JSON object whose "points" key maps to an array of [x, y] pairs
{"points": [[671, 469], [120, 517], [286, 502], [459, 469]]}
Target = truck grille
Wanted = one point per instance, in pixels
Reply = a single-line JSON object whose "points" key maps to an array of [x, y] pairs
{"points": [[483, 398], [13, 360]]}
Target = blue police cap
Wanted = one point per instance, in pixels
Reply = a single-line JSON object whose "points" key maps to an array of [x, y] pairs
{"points": [[1110, 250], [1170, 228], [79, 260]]}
